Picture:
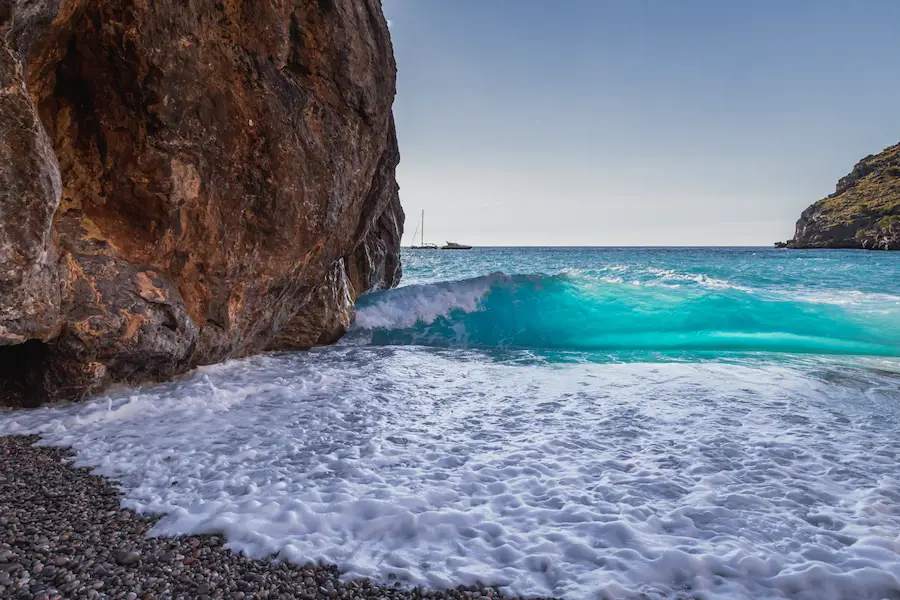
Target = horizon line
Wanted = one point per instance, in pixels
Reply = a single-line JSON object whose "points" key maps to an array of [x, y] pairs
{"points": [[474, 247]]}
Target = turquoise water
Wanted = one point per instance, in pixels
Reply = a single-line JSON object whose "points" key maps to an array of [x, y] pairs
{"points": [[644, 300]]}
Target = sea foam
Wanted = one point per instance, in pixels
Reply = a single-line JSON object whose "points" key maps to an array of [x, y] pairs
{"points": [[720, 479]]}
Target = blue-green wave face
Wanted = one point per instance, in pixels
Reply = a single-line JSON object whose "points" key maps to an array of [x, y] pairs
{"points": [[577, 312]]}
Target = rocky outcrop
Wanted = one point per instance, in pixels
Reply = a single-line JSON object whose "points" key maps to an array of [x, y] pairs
{"points": [[187, 182], [864, 211]]}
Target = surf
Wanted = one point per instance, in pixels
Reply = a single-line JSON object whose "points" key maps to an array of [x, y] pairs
{"points": [[566, 311]]}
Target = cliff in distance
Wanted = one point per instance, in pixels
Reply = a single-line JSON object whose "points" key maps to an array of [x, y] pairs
{"points": [[184, 182], [863, 212]]}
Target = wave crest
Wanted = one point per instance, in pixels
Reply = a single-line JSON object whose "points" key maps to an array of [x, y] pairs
{"points": [[568, 311], [425, 303]]}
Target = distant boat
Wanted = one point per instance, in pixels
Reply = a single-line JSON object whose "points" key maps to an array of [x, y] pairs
{"points": [[422, 245], [455, 246]]}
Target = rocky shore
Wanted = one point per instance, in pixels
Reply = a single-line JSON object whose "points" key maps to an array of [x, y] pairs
{"points": [[64, 535]]}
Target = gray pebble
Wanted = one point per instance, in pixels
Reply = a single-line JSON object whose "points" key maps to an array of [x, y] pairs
{"points": [[125, 557]]}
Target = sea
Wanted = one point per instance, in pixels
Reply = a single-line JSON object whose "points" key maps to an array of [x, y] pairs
{"points": [[584, 423]]}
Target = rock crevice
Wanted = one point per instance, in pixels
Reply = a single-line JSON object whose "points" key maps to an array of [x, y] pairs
{"points": [[183, 183]]}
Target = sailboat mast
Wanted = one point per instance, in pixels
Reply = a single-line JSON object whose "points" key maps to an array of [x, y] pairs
{"points": [[423, 227]]}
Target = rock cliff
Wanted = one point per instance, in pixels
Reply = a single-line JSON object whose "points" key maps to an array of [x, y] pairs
{"points": [[187, 181], [863, 212]]}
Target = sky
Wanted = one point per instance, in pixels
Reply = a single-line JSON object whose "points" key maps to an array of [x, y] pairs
{"points": [[635, 122]]}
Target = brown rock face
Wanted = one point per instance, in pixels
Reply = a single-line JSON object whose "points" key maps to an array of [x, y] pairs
{"points": [[186, 181]]}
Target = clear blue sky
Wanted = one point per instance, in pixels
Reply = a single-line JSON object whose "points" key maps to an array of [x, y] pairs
{"points": [[636, 122]]}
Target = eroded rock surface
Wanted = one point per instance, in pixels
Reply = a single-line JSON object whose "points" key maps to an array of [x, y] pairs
{"points": [[863, 212], [183, 182]]}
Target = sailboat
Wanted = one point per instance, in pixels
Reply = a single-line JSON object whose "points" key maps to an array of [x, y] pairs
{"points": [[422, 245]]}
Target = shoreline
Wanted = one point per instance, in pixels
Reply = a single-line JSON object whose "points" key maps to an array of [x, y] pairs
{"points": [[64, 534]]}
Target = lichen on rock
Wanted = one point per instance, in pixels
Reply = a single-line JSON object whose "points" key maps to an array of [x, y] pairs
{"points": [[183, 183]]}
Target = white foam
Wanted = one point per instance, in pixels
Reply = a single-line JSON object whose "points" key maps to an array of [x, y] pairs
{"points": [[868, 300], [707, 480], [701, 279], [651, 276], [406, 306]]}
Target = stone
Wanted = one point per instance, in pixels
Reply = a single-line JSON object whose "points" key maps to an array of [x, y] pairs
{"points": [[183, 184], [125, 557]]}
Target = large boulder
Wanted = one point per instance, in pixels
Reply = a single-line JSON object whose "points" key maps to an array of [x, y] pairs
{"points": [[187, 181]]}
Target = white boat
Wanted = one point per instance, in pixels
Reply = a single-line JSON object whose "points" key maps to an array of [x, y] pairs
{"points": [[455, 246], [422, 245]]}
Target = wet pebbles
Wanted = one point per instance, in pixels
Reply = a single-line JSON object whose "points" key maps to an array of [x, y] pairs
{"points": [[63, 535]]}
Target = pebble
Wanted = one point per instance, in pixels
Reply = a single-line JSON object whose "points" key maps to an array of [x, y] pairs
{"points": [[124, 557], [73, 540]]}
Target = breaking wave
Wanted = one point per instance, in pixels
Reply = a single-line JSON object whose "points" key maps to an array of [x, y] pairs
{"points": [[567, 311]]}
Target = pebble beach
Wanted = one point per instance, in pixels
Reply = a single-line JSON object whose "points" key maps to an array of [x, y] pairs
{"points": [[64, 535]]}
